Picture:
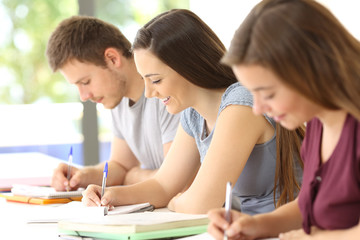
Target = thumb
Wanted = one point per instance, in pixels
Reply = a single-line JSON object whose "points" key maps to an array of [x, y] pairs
{"points": [[75, 179], [106, 199]]}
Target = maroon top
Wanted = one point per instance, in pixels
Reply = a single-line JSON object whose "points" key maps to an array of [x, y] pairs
{"points": [[330, 193]]}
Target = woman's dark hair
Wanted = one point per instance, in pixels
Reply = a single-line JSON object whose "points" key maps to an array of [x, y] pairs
{"points": [[181, 40]]}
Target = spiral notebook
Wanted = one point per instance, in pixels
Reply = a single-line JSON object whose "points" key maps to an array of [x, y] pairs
{"points": [[43, 192]]}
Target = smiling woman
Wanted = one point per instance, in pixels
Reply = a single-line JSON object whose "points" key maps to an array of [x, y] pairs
{"points": [[210, 147]]}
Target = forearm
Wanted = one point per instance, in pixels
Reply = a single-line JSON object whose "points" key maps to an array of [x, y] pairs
{"points": [[347, 234], [147, 191], [283, 219], [137, 174]]}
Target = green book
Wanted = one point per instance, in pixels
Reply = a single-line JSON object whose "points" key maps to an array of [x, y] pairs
{"points": [[146, 225]]}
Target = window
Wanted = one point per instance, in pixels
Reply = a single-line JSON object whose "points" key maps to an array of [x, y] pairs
{"points": [[40, 111]]}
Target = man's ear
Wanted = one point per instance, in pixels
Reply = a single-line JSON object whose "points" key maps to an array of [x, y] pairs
{"points": [[112, 57]]}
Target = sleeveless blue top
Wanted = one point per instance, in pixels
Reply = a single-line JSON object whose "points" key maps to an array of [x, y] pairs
{"points": [[253, 191]]}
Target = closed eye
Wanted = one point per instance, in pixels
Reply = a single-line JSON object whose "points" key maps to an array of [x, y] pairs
{"points": [[84, 83], [156, 81], [269, 96]]}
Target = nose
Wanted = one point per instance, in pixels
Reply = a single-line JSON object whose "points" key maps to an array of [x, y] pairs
{"points": [[149, 90], [84, 94]]}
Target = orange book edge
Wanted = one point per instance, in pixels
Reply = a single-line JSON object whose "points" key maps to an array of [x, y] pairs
{"points": [[37, 201]]}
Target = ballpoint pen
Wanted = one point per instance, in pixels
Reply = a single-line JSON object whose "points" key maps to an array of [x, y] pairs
{"points": [[69, 169], [104, 179], [227, 206]]}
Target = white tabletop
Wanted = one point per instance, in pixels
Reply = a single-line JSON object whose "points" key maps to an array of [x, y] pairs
{"points": [[13, 223]]}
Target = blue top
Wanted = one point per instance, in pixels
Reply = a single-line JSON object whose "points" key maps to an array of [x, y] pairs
{"points": [[253, 191]]}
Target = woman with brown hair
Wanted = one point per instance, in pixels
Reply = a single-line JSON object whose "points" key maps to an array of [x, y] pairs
{"points": [[302, 65], [219, 138]]}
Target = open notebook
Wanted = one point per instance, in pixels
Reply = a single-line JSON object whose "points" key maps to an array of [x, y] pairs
{"points": [[43, 192], [145, 225], [76, 209]]}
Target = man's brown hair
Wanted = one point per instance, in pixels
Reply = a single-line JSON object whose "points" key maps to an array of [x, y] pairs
{"points": [[84, 39]]}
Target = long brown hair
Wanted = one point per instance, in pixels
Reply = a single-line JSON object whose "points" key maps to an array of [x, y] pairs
{"points": [[181, 40], [306, 47], [288, 144]]}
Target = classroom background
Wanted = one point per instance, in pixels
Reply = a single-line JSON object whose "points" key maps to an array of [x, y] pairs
{"points": [[41, 112]]}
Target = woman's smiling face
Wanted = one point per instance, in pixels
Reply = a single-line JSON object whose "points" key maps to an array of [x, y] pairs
{"points": [[274, 98], [163, 82]]}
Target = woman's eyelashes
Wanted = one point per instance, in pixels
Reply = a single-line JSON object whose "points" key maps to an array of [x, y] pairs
{"points": [[156, 81], [270, 96]]}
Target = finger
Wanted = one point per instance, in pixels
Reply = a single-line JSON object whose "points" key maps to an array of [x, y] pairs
{"points": [[215, 232], [75, 179], [107, 198], [59, 178], [91, 196], [242, 225], [217, 216]]}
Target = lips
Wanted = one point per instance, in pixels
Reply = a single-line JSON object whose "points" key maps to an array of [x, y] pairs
{"points": [[165, 100], [98, 100], [279, 118]]}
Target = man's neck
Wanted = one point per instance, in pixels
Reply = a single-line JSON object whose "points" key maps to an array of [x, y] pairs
{"points": [[135, 84]]}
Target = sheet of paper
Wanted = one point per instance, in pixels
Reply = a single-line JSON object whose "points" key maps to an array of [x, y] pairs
{"points": [[77, 209], [207, 236], [43, 192]]}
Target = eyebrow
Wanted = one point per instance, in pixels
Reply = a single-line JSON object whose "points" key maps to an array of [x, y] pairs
{"points": [[262, 88], [151, 74]]}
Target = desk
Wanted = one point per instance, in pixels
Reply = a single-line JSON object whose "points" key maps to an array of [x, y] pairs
{"points": [[26, 168], [13, 222]]}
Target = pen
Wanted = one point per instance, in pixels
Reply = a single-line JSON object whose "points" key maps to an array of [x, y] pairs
{"points": [[104, 179], [227, 206], [69, 169]]}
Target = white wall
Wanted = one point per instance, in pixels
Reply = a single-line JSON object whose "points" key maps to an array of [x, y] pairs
{"points": [[225, 16]]}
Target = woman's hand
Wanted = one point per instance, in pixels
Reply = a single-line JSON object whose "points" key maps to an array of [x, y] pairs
{"points": [[243, 226], [92, 196]]}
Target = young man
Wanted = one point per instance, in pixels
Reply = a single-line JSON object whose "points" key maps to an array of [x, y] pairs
{"points": [[96, 57]]}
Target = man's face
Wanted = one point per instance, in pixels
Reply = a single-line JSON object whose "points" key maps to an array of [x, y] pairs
{"points": [[95, 83]]}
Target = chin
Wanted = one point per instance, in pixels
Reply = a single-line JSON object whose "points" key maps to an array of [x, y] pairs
{"points": [[172, 111], [289, 126]]}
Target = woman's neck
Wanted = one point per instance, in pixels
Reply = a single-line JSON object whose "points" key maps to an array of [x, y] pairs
{"points": [[333, 123], [208, 104]]}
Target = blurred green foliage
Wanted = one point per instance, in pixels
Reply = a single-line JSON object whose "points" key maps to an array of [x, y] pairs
{"points": [[25, 74]]}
